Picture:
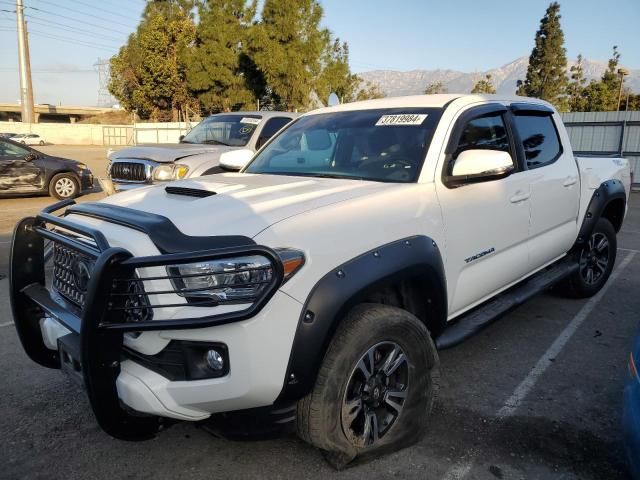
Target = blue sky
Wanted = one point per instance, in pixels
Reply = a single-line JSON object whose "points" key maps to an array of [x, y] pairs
{"points": [[461, 35]]}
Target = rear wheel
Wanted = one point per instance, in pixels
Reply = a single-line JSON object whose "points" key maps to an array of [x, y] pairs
{"points": [[375, 389], [64, 185], [595, 261], [41, 142]]}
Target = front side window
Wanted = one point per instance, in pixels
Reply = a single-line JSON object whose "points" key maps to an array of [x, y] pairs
{"points": [[487, 132], [229, 130], [386, 145], [539, 139], [11, 151]]}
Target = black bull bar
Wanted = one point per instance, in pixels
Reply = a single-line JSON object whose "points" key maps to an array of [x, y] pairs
{"points": [[97, 327]]}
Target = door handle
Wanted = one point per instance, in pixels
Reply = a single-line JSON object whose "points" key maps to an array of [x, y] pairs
{"points": [[569, 181], [520, 197]]}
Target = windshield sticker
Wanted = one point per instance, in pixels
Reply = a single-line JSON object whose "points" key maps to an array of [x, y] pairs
{"points": [[252, 121], [245, 130], [401, 119]]}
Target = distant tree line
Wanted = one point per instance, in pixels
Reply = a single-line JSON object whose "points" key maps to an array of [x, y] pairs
{"points": [[218, 55], [547, 76]]}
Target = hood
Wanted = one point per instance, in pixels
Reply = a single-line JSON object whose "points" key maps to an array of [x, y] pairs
{"points": [[243, 204], [168, 153]]}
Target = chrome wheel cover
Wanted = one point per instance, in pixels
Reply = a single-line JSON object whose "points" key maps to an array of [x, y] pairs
{"points": [[65, 187]]}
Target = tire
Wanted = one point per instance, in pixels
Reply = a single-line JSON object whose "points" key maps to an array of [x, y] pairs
{"points": [[596, 260], [64, 186], [330, 418], [41, 142]]}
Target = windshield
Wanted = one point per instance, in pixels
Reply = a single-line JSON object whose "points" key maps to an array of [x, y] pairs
{"points": [[230, 130], [386, 145]]}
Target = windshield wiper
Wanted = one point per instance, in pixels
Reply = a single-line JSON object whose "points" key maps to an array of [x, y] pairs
{"points": [[318, 175], [215, 142]]}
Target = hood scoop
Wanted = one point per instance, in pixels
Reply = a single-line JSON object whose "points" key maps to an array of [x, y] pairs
{"points": [[188, 192]]}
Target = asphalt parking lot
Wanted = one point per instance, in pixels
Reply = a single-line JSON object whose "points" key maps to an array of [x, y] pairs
{"points": [[537, 395]]}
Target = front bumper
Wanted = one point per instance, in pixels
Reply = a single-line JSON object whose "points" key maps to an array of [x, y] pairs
{"points": [[86, 181], [112, 378]]}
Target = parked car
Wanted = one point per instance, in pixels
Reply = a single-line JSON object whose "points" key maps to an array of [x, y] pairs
{"points": [[7, 135], [631, 414], [25, 171], [29, 139], [225, 141], [316, 286]]}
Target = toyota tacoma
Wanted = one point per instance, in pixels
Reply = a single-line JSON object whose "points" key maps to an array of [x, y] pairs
{"points": [[315, 288]]}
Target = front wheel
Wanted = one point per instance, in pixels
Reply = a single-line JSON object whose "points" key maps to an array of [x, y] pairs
{"points": [[375, 389], [64, 186], [596, 259]]}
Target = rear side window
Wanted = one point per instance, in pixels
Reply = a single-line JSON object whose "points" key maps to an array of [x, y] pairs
{"points": [[488, 133], [273, 125], [539, 139]]}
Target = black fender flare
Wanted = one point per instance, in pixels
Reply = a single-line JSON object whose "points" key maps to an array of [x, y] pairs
{"points": [[347, 285], [602, 196]]}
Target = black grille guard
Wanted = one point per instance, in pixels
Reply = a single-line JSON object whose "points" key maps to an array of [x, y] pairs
{"points": [[101, 328]]}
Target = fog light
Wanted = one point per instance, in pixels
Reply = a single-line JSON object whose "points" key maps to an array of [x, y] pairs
{"points": [[215, 360]]}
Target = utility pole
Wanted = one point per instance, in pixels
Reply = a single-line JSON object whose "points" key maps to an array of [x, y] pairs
{"points": [[26, 89]]}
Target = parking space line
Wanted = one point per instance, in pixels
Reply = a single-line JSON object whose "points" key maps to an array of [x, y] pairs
{"points": [[629, 250], [7, 324], [461, 469], [529, 382]]}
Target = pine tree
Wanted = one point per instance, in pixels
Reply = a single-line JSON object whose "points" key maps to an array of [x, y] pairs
{"points": [[336, 76], [484, 85], [148, 73], [547, 71], [288, 47], [218, 73], [575, 88], [435, 87], [602, 95]]}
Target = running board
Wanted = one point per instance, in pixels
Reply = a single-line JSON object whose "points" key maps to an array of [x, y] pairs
{"points": [[471, 323]]}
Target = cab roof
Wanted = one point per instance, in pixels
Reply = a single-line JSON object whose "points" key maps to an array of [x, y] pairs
{"points": [[425, 101]]}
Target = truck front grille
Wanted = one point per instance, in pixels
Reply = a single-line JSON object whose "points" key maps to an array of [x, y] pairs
{"points": [[128, 171], [71, 273]]}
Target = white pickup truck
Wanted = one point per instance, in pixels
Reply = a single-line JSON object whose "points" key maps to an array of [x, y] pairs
{"points": [[225, 141], [316, 287]]}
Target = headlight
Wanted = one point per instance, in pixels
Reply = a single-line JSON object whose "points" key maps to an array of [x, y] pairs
{"points": [[164, 173], [82, 166], [240, 279]]}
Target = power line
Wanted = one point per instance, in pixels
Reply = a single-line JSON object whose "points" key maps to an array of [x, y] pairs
{"points": [[102, 9], [84, 22], [70, 28], [73, 10], [7, 70], [73, 41]]}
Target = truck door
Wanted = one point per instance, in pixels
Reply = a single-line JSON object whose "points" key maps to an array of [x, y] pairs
{"points": [[486, 216], [555, 185]]}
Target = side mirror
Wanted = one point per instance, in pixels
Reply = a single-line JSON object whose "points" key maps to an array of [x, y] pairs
{"points": [[235, 159], [180, 138], [480, 165], [30, 157]]}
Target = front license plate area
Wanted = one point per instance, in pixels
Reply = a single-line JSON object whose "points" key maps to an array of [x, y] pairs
{"points": [[69, 350]]}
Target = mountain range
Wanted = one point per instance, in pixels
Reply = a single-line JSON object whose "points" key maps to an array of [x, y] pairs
{"points": [[395, 83]]}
